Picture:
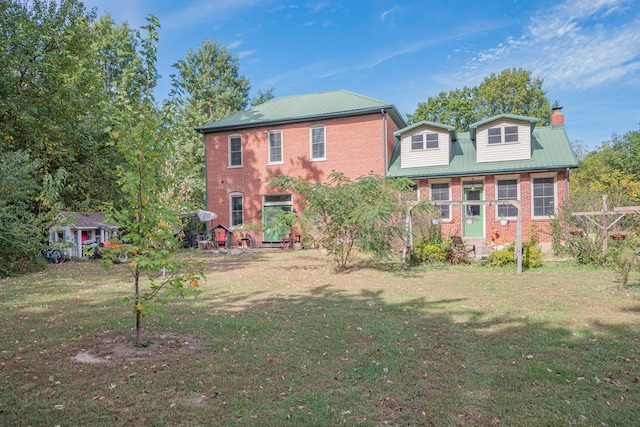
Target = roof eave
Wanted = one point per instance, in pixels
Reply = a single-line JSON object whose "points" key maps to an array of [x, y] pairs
{"points": [[390, 109]]}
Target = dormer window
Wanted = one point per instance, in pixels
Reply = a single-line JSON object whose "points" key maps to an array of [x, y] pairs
{"points": [[424, 140], [498, 135]]}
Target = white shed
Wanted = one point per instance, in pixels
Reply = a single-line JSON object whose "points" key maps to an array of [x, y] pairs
{"points": [[76, 232]]}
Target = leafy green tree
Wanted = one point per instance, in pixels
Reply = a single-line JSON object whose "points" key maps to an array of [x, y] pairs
{"points": [[262, 97], [151, 208], [347, 214], [210, 88], [50, 93], [513, 91]]}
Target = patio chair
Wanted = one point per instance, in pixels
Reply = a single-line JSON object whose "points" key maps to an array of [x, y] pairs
{"points": [[220, 236]]}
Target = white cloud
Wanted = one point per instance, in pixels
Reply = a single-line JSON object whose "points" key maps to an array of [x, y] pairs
{"points": [[388, 12], [575, 45]]}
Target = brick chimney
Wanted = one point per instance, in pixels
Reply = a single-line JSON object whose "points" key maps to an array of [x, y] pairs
{"points": [[557, 117]]}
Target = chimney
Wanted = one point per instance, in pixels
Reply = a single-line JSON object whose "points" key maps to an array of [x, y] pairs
{"points": [[557, 117]]}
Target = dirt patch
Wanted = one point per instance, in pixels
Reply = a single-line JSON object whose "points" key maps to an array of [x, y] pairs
{"points": [[107, 349]]}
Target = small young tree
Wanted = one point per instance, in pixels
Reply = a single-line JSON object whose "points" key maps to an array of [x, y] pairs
{"points": [[348, 214], [149, 214]]}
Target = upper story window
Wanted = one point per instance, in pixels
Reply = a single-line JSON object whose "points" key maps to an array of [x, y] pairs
{"points": [[424, 140], [235, 151], [441, 191], [318, 148], [507, 190], [498, 135], [544, 196], [275, 147]]}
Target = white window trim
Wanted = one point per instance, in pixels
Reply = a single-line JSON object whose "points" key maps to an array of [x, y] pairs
{"points": [[505, 178], [426, 143], [441, 181], [555, 194], [231, 196], [503, 135], [422, 141], [317, 159], [425, 147], [281, 161], [241, 151]]}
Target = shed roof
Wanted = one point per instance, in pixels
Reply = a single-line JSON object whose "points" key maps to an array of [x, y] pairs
{"points": [[551, 150], [82, 221], [315, 106]]}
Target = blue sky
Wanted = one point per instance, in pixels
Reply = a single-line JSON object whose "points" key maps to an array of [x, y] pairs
{"points": [[401, 52]]}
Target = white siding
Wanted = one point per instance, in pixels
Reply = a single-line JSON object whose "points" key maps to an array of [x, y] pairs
{"points": [[520, 150], [431, 157]]}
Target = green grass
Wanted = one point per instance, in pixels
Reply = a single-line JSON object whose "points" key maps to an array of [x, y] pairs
{"points": [[276, 338]]}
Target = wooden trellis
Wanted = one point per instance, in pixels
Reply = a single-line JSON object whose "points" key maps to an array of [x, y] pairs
{"points": [[605, 213]]}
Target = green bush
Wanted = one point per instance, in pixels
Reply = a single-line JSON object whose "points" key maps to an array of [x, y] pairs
{"points": [[503, 256], [429, 251], [532, 255]]}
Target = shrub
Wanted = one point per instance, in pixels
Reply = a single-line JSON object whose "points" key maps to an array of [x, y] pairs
{"points": [[429, 251], [503, 256]]}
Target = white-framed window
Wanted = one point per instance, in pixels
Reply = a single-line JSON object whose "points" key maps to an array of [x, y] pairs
{"points": [[417, 143], [442, 191], [543, 194], [275, 147], [424, 140], [511, 134], [498, 135], [235, 151], [432, 141], [507, 189], [318, 143], [236, 209]]}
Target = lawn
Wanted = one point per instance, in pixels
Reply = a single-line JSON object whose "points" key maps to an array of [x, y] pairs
{"points": [[277, 338]]}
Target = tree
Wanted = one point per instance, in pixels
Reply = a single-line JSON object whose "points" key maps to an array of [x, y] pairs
{"points": [[348, 214], [150, 211], [262, 97], [212, 88], [51, 95], [513, 91]]}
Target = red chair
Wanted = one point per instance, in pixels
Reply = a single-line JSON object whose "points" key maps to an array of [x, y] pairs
{"points": [[220, 236]]}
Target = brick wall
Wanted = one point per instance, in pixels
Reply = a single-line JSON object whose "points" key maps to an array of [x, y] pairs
{"points": [[354, 146], [492, 222]]}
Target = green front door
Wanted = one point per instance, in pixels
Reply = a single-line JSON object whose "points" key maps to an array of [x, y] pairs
{"points": [[274, 223], [473, 216]]}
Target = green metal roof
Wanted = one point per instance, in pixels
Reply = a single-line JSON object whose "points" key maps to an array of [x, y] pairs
{"points": [[474, 127], [299, 108], [450, 129], [551, 151]]}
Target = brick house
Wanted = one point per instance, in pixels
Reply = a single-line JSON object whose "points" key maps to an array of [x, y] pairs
{"points": [[307, 135], [500, 158]]}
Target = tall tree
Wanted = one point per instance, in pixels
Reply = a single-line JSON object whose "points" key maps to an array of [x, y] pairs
{"points": [[50, 90], [514, 91], [212, 88], [263, 96]]}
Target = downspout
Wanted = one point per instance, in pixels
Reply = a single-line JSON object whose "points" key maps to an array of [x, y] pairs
{"points": [[384, 142], [567, 201], [206, 180]]}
